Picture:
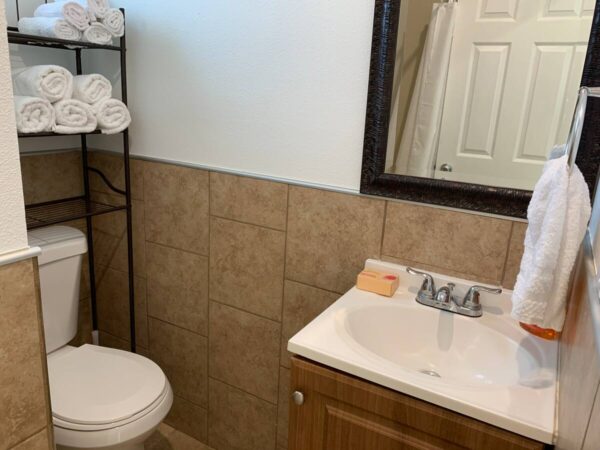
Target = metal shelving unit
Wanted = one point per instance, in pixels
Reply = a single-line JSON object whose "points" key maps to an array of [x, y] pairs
{"points": [[83, 207]]}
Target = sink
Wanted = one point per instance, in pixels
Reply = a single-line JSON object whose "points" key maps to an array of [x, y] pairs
{"points": [[487, 367], [457, 350]]}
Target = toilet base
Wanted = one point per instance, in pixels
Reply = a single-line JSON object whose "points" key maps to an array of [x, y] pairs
{"points": [[124, 447]]}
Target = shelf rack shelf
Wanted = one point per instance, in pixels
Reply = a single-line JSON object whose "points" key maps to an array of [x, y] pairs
{"points": [[84, 207]]}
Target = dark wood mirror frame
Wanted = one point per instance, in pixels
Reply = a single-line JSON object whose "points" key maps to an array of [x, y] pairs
{"points": [[475, 197]]}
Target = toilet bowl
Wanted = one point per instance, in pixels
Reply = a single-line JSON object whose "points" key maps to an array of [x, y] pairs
{"points": [[102, 398]]}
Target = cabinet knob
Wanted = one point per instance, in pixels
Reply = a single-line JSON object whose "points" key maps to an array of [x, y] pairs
{"points": [[298, 398]]}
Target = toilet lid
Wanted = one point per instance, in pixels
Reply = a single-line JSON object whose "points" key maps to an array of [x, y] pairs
{"points": [[97, 385]]}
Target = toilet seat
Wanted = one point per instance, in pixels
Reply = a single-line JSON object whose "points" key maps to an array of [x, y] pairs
{"points": [[96, 388]]}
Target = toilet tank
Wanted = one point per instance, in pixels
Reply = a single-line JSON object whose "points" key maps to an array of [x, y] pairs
{"points": [[60, 271]]}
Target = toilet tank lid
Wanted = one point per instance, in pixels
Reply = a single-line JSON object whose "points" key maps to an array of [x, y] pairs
{"points": [[57, 242]]}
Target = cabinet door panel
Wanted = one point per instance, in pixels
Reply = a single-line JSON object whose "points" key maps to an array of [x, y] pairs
{"points": [[341, 412]]}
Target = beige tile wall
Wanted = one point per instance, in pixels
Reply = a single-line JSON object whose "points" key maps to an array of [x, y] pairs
{"points": [[24, 398], [229, 267]]}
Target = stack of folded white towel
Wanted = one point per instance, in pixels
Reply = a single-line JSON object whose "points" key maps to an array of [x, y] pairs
{"points": [[49, 98], [76, 20]]}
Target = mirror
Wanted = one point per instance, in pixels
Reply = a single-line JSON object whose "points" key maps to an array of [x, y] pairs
{"points": [[474, 92]]}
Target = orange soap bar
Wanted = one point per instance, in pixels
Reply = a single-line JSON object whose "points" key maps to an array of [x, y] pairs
{"points": [[377, 282]]}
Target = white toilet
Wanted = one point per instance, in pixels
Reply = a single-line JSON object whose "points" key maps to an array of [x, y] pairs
{"points": [[101, 398]]}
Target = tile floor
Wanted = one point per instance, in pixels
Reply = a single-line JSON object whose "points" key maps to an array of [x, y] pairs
{"points": [[168, 438]]}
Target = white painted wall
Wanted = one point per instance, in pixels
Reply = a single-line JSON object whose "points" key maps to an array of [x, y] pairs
{"points": [[269, 87], [13, 231]]}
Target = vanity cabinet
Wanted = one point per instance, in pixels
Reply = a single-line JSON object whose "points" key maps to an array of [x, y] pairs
{"points": [[340, 412]]}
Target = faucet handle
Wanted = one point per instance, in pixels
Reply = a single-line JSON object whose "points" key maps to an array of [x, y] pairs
{"points": [[428, 286], [471, 300]]}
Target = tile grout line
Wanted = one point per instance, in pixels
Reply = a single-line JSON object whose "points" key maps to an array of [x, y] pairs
{"points": [[383, 227], [287, 227], [508, 245], [216, 216], [208, 393], [45, 427]]}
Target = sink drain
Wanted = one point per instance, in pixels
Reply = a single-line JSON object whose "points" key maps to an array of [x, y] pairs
{"points": [[431, 373]]}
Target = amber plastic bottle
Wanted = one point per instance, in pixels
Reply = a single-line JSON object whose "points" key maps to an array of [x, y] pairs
{"points": [[544, 333]]}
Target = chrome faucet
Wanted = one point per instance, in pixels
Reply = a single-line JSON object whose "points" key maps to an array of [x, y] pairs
{"points": [[444, 299]]}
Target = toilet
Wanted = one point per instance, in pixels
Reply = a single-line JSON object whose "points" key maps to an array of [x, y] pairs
{"points": [[101, 398]]}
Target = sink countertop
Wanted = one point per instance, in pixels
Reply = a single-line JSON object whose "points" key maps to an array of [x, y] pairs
{"points": [[487, 368]]}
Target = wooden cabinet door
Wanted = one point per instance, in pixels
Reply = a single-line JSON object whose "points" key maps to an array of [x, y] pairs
{"points": [[341, 412]]}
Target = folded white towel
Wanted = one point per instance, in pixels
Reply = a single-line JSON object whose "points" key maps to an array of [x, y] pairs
{"points": [[91, 88], [71, 11], [113, 116], [97, 9], [33, 114], [54, 27], [114, 21], [51, 82], [74, 116], [558, 215], [97, 34]]}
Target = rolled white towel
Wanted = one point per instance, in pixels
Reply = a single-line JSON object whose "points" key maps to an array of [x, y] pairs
{"points": [[71, 11], [33, 114], [114, 21], [91, 88], [113, 116], [97, 34], [51, 82], [97, 9], [74, 116], [53, 27]]}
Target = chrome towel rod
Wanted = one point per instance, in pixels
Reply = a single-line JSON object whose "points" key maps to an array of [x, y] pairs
{"points": [[577, 124]]}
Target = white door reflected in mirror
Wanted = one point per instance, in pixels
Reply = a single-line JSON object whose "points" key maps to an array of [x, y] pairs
{"points": [[487, 89]]}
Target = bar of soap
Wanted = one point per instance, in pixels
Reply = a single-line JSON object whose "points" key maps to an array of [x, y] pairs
{"points": [[377, 282]]}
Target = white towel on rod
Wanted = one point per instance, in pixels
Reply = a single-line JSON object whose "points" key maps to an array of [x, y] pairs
{"points": [[33, 114], [113, 116], [71, 11], [91, 88], [558, 215], [97, 9], [53, 27], [74, 116], [97, 34], [51, 82]]}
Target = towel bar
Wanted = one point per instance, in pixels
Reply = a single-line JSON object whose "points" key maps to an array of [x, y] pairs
{"points": [[574, 138]]}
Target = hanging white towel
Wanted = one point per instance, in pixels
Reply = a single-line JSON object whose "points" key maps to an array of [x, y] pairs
{"points": [[33, 114], [97, 9], [71, 11], [114, 21], [74, 116], [97, 34], [113, 116], [91, 88], [417, 151], [53, 27], [558, 215], [51, 82]]}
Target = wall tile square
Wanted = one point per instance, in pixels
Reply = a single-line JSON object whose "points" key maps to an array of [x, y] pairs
{"points": [[515, 253], [178, 287], [112, 296], [258, 202], [111, 164], [176, 202], [239, 421], [183, 356], [283, 408], [330, 235], [301, 304], [470, 244], [189, 418], [23, 407], [246, 267], [244, 350], [51, 176]]}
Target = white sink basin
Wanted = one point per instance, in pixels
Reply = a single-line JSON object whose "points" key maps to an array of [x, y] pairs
{"points": [[487, 368], [457, 350]]}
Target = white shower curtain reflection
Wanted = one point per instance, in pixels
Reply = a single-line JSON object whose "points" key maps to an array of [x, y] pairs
{"points": [[417, 151]]}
